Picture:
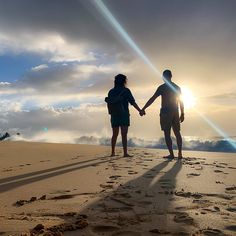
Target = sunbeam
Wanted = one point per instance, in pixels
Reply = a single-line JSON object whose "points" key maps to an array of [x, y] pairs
{"points": [[102, 8]]}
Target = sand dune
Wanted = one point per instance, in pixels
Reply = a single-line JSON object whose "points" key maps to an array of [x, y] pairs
{"points": [[64, 189]]}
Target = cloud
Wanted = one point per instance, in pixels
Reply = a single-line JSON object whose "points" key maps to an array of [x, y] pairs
{"points": [[80, 53], [51, 46], [39, 67], [74, 121], [223, 96]]}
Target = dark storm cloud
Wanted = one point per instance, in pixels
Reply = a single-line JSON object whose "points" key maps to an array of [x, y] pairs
{"points": [[71, 19], [152, 23]]}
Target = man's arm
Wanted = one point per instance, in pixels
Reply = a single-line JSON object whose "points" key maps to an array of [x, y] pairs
{"points": [[150, 101]]}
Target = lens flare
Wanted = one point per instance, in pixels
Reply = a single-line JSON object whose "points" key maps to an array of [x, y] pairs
{"points": [[117, 26], [188, 98]]}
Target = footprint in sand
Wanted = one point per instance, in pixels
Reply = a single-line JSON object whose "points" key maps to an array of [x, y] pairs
{"points": [[148, 176], [219, 166], [158, 231], [200, 201], [115, 177], [212, 232], [189, 194], [131, 172], [215, 209], [166, 184], [124, 195], [223, 163], [144, 203], [232, 167], [104, 228], [231, 209], [126, 233], [199, 168], [193, 174], [7, 170], [183, 217], [106, 186], [231, 228], [118, 209], [230, 189], [62, 197]]}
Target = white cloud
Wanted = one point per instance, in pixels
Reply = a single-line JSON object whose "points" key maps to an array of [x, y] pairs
{"points": [[52, 46], [39, 67]]}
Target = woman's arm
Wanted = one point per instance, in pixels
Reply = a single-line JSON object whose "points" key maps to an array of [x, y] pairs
{"points": [[135, 105]]}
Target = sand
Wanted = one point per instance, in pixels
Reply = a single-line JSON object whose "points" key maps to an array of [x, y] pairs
{"points": [[65, 189]]}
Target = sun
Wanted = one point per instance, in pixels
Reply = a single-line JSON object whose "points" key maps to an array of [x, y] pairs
{"points": [[188, 98]]}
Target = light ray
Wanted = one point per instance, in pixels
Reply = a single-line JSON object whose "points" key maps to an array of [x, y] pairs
{"points": [[102, 8], [217, 129]]}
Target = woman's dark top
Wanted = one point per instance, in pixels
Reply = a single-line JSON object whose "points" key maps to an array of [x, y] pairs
{"points": [[126, 94]]}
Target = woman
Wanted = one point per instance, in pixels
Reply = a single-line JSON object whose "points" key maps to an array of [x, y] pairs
{"points": [[118, 105]]}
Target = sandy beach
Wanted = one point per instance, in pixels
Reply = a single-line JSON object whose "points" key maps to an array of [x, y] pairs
{"points": [[66, 189]]}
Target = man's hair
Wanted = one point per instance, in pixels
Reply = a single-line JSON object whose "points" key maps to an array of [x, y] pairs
{"points": [[120, 80], [167, 74]]}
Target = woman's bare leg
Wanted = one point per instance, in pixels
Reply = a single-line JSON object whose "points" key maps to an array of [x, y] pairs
{"points": [[115, 132], [124, 132]]}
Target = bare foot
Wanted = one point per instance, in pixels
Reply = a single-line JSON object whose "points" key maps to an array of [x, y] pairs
{"points": [[127, 155], [113, 155], [169, 157], [180, 156]]}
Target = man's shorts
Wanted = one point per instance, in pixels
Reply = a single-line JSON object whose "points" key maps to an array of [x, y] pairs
{"points": [[121, 120], [169, 118]]}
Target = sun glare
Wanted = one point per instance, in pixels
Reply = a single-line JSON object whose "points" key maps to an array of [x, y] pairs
{"points": [[188, 98]]}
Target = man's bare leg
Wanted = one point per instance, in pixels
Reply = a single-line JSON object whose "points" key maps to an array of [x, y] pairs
{"points": [[124, 132], [115, 132], [179, 142], [169, 143]]}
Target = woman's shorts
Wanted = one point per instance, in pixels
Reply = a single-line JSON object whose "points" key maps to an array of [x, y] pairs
{"points": [[121, 120]]}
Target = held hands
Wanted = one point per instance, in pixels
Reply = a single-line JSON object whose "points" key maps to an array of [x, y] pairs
{"points": [[142, 112], [181, 118]]}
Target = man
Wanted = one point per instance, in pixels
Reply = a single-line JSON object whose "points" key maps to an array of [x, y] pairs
{"points": [[169, 114]]}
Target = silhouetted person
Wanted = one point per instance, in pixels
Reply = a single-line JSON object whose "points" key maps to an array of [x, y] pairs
{"points": [[169, 114], [118, 106]]}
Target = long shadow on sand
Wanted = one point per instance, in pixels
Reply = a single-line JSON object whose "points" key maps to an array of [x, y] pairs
{"points": [[18, 181], [17, 177], [138, 205]]}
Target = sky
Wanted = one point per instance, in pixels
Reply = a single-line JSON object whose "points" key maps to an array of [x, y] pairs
{"points": [[58, 60]]}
